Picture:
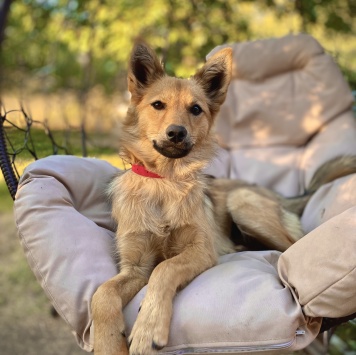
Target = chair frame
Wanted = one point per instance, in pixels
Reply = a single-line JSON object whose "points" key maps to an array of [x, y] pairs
{"points": [[11, 179]]}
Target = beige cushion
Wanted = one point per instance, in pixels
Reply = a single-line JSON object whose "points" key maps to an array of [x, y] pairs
{"points": [[238, 305], [283, 91], [329, 254], [66, 231], [65, 228], [287, 111], [330, 201]]}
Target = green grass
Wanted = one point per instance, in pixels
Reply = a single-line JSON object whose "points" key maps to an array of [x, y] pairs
{"points": [[5, 198]]}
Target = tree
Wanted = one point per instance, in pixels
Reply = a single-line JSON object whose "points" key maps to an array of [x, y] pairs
{"points": [[4, 11]]}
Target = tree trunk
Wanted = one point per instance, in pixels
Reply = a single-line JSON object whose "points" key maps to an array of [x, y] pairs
{"points": [[4, 11]]}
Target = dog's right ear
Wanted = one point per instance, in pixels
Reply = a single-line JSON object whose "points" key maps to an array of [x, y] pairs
{"points": [[144, 69]]}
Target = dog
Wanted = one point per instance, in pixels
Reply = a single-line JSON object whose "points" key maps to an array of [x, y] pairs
{"points": [[174, 221]]}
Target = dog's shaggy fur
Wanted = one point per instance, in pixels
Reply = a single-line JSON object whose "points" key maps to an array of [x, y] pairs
{"points": [[173, 227]]}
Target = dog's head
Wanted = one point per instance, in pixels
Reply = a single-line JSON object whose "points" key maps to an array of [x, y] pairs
{"points": [[168, 125]]}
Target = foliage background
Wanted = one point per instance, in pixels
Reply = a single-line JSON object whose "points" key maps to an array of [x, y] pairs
{"points": [[70, 56], [77, 44]]}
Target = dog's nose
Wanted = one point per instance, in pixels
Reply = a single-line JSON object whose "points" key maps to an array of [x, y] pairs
{"points": [[176, 134]]}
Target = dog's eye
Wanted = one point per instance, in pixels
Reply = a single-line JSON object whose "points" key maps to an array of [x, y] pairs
{"points": [[158, 105], [196, 110]]}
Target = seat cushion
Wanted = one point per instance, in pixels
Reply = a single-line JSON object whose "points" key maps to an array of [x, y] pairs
{"points": [[64, 224], [240, 305]]}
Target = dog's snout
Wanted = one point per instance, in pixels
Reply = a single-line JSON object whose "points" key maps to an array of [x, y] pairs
{"points": [[176, 134]]}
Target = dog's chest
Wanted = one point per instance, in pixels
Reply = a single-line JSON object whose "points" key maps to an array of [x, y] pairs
{"points": [[155, 205]]}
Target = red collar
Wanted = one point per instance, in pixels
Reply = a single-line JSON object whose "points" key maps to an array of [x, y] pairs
{"points": [[141, 170]]}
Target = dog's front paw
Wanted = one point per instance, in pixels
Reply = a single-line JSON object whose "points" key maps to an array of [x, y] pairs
{"points": [[150, 331]]}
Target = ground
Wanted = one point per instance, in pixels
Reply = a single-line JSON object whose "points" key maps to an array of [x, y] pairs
{"points": [[26, 325]]}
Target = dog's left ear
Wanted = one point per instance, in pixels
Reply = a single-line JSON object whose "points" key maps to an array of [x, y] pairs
{"points": [[215, 76]]}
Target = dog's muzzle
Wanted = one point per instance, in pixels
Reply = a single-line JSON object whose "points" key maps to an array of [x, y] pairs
{"points": [[177, 143]]}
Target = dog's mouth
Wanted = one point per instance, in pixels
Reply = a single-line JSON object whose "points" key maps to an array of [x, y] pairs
{"points": [[171, 150]]}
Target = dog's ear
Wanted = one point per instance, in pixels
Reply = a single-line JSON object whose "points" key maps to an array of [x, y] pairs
{"points": [[215, 76], [144, 69]]}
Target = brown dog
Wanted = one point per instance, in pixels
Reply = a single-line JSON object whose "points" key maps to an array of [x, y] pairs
{"points": [[166, 234], [169, 228]]}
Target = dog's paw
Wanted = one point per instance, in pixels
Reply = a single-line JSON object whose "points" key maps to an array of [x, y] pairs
{"points": [[150, 331]]}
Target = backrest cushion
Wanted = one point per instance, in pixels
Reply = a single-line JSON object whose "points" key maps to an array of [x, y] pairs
{"points": [[283, 91]]}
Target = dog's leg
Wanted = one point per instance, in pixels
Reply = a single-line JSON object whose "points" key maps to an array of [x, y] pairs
{"points": [[151, 329], [263, 218], [136, 264], [107, 304]]}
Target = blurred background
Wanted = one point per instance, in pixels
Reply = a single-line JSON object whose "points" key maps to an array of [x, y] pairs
{"points": [[72, 55], [63, 72]]}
